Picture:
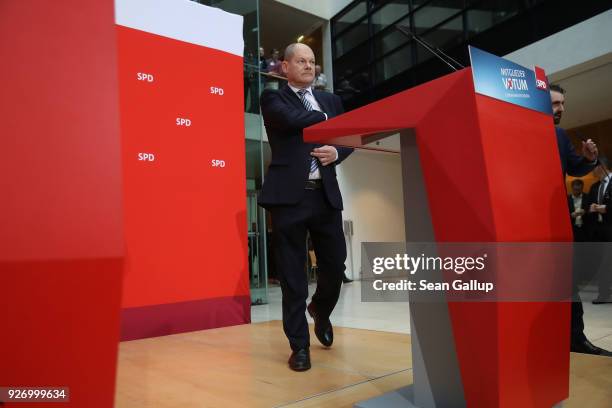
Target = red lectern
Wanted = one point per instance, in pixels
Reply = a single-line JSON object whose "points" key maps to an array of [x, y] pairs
{"points": [[476, 160]]}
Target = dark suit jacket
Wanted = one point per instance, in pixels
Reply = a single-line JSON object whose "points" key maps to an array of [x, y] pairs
{"points": [[584, 206], [571, 163], [285, 119], [606, 199]]}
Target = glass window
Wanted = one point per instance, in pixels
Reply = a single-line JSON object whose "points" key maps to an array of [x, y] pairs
{"points": [[391, 39], [349, 40], [444, 37], [393, 64], [434, 13], [490, 13], [418, 3], [346, 66], [351, 86], [351, 16], [389, 14]]}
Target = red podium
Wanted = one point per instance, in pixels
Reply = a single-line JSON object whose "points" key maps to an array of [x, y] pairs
{"points": [[476, 160]]}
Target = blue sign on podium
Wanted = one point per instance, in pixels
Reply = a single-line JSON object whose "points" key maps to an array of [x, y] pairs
{"points": [[504, 80]]}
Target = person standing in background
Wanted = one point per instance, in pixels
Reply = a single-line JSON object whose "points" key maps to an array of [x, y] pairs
{"points": [[578, 206], [577, 166], [600, 199], [320, 81], [274, 64]]}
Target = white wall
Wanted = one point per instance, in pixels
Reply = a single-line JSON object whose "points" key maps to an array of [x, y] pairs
{"points": [[575, 45], [371, 187], [578, 58]]}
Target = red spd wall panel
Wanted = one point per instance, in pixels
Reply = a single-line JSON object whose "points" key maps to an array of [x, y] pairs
{"points": [[182, 124], [61, 223]]}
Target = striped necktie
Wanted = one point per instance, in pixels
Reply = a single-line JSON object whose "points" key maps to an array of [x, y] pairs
{"points": [[302, 94], [314, 164]]}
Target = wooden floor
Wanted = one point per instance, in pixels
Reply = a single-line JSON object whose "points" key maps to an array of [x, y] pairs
{"points": [[246, 366]]}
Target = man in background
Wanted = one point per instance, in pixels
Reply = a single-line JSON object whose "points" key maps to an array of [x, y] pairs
{"points": [[320, 81], [273, 64], [599, 201], [577, 166], [578, 207]]}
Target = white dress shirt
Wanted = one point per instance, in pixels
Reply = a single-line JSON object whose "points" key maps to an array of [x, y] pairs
{"points": [[577, 206]]}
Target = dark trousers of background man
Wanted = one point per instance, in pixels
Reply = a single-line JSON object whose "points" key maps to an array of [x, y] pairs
{"points": [[290, 226], [582, 233], [589, 258], [602, 233], [581, 254]]}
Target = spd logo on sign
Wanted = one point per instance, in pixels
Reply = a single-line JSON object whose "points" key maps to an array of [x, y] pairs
{"points": [[541, 81]]}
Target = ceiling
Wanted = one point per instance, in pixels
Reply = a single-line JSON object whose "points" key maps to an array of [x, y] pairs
{"points": [[281, 25]]}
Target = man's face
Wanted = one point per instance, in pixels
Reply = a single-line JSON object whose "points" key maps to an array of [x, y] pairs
{"points": [[300, 68], [577, 189], [275, 55], [318, 69], [558, 102]]}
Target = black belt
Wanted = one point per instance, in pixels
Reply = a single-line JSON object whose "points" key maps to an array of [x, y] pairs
{"points": [[313, 184]]}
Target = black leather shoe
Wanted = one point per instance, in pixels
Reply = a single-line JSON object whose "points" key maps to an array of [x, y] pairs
{"points": [[300, 360], [322, 327], [587, 347], [601, 301], [346, 280]]}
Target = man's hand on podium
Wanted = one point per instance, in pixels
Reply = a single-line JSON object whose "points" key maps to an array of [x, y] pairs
{"points": [[326, 154]]}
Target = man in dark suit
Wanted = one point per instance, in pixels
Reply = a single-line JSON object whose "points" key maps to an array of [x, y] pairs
{"points": [[574, 165], [302, 194], [600, 198], [578, 206]]}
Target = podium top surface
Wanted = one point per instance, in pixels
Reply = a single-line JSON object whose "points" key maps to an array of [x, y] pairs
{"points": [[403, 110]]}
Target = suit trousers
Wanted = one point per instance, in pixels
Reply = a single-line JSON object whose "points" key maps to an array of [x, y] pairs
{"points": [[603, 233], [577, 327], [584, 253], [581, 234], [290, 225], [589, 258]]}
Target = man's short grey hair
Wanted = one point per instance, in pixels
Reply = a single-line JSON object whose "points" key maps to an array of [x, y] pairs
{"points": [[290, 51]]}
